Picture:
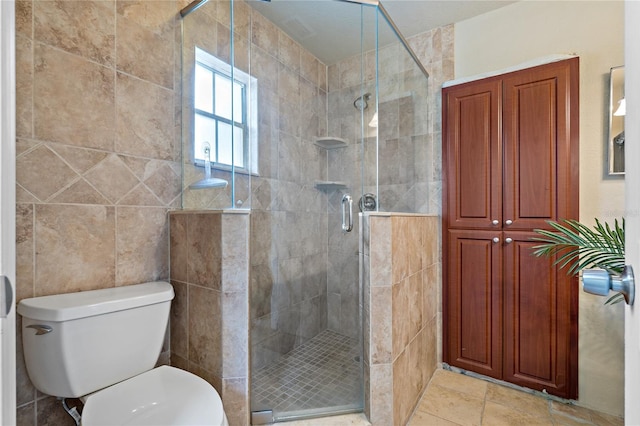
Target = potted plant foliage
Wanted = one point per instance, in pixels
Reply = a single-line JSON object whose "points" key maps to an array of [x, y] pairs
{"points": [[577, 246]]}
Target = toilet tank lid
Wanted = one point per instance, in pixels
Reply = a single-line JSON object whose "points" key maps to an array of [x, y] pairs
{"points": [[70, 306]]}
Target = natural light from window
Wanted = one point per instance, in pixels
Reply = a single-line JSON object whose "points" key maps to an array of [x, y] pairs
{"points": [[225, 115]]}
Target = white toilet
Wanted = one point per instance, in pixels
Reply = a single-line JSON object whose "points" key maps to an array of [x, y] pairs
{"points": [[101, 346]]}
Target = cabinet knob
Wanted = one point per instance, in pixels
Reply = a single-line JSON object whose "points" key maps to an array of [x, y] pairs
{"points": [[508, 222], [496, 239], [495, 222], [508, 240]]}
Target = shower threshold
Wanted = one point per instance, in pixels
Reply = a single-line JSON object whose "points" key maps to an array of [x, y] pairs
{"points": [[321, 377]]}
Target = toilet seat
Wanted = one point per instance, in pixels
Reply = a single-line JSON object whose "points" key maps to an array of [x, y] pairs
{"points": [[161, 396]]}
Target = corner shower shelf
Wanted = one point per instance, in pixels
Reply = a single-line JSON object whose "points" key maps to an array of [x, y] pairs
{"points": [[328, 185], [331, 143]]}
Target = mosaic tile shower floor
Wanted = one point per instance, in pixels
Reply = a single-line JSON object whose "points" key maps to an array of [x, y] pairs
{"points": [[322, 372]]}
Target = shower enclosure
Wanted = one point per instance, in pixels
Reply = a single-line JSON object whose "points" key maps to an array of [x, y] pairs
{"points": [[306, 133]]}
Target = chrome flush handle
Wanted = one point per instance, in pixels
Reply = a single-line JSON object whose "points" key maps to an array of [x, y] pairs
{"points": [[40, 328]]}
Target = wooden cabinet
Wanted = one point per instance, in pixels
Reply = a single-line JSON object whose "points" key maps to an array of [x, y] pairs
{"points": [[510, 158]]}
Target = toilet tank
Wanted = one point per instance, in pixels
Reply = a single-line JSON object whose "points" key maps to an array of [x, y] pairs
{"points": [[77, 343]]}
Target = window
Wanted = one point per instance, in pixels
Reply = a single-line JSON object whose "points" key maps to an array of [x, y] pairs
{"points": [[225, 115]]}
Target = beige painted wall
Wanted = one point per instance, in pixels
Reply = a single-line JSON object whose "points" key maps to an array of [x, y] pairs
{"points": [[593, 30]]}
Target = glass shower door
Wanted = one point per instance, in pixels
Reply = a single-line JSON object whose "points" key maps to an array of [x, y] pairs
{"points": [[305, 297]]}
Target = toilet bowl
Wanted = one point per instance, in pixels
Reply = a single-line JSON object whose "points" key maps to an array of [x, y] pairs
{"points": [[162, 396], [101, 346]]}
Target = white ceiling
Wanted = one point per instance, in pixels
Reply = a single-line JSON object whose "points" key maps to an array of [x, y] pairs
{"points": [[331, 29]]}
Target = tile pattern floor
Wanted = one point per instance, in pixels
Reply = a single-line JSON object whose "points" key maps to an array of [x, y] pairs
{"points": [[322, 372], [453, 399]]}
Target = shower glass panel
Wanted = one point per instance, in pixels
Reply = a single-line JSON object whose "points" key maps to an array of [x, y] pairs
{"points": [[306, 349], [288, 127], [399, 163], [219, 107]]}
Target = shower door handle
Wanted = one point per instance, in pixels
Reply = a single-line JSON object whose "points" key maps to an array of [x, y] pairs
{"points": [[347, 213]]}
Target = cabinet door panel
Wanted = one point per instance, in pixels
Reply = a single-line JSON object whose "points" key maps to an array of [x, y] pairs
{"points": [[472, 155], [475, 302], [540, 145], [539, 345]]}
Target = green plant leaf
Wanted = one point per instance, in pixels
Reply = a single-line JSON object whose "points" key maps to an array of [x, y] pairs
{"points": [[577, 246]]}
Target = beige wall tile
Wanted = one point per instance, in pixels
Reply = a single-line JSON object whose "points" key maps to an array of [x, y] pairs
{"points": [[24, 18], [235, 332], [235, 250], [415, 304], [42, 173], [289, 52], [381, 325], [80, 192], [400, 249], [179, 246], [381, 396], [179, 320], [144, 53], [235, 398], [74, 99], [79, 159], [164, 183], [430, 301], [75, 248], [158, 16], [205, 251], [205, 344], [84, 28], [431, 348], [401, 318], [402, 389], [242, 18], [417, 369], [112, 178], [144, 119], [198, 31], [24, 251], [140, 195], [24, 84], [379, 251], [263, 33], [142, 238]]}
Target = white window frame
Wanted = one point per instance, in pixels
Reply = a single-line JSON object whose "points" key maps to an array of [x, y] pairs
{"points": [[251, 94]]}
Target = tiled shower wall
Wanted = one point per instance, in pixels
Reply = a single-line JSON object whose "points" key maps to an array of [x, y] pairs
{"points": [[209, 315], [97, 153], [401, 282]]}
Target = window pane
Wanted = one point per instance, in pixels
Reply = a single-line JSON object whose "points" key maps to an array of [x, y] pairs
{"points": [[238, 147], [204, 132], [224, 143], [203, 90], [238, 101], [223, 97]]}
